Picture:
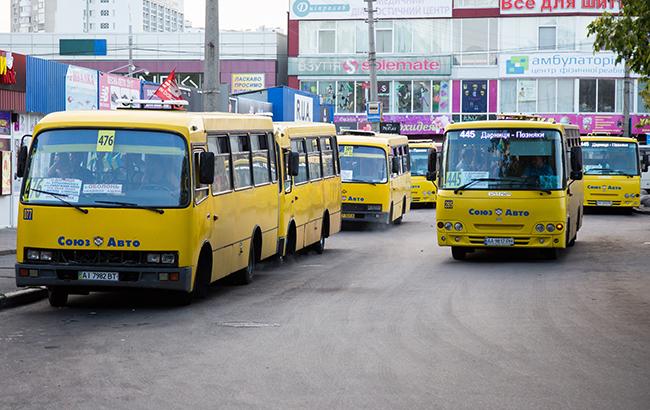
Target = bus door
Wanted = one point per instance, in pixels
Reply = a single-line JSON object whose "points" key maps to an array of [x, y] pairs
{"points": [[315, 192], [299, 195]]}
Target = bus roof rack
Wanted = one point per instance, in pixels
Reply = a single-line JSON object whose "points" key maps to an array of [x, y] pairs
{"points": [[133, 103], [524, 117], [358, 132]]}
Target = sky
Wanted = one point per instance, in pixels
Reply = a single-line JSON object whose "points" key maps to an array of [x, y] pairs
{"points": [[233, 14]]}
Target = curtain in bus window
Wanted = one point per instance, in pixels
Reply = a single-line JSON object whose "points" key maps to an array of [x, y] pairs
{"points": [[259, 146], [240, 146], [314, 158]]}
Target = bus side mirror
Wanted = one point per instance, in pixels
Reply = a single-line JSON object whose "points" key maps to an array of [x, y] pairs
{"points": [[646, 163], [576, 159], [294, 163], [432, 165], [22, 155], [395, 166], [206, 168]]}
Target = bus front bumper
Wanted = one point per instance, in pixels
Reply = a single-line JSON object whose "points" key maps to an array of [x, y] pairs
{"points": [[501, 240], [366, 216], [132, 277]]}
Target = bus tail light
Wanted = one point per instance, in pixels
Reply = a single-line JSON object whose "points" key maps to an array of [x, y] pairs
{"points": [[174, 276], [23, 272]]}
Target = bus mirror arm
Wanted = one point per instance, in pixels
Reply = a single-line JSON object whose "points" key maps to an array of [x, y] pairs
{"points": [[22, 156], [206, 168]]}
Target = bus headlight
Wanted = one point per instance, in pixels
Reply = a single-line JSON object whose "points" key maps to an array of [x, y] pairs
{"points": [[550, 228], [458, 226], [539, 228], [374, 207], [168, 258], [153, 258], [33, 254], [46, 255], [448, 226]]}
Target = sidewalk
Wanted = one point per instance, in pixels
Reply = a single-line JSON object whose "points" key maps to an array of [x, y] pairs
{"points": [[10, 295]]}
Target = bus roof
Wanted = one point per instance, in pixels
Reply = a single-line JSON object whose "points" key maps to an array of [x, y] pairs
{"points": [[608, 138], [165, 120], [509, 124], [383, 140], [296, 129], [422, 144]]}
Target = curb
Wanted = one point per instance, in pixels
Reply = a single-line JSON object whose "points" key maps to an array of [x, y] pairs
{"points": [[22, 297], [644, 211], [4, 252]]}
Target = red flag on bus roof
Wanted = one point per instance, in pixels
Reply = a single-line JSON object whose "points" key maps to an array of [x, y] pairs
{"points": [[169, 89]]}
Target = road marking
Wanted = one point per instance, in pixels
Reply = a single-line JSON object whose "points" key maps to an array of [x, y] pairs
{"points": [[247, 324]]}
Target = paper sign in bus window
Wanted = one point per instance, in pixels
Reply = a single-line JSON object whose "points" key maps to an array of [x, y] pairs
{"points": [[105, 141], [110, 189], [68, 189], [348, 150]]}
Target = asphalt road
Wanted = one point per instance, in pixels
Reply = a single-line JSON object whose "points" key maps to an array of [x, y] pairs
{"points": [[382, 320]]}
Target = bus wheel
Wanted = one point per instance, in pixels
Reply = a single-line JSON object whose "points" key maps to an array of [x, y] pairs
{"points": [[458, 253], [245, 276], [571, 242], [57, 297], [202, 281], [319, 246]]}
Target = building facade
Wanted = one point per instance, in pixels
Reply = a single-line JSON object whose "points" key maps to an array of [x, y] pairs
{"points": [[97, 16], [458, 60]]}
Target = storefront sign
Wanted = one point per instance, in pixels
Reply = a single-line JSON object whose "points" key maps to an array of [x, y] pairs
{"points": [[559, 6], [12, 71], [578, 64], [356, 9], [241, 83], [303, 108], [80, 89], [410, 124], [113, 87], [385, 66], [612, 124], [640, 124], [390, 128], [5, 123]]}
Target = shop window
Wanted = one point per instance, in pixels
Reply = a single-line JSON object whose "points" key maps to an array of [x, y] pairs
{"points": [[421, 96], [440, 96], [309, 86], [606, 95], [326, 90], [527, 96], [345, 97], [565, 95], [383, 92], [361, 96], [546, 95], [508, 96], [587, 95], [403, 96]]}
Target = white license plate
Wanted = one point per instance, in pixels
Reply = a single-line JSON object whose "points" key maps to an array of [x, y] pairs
{"points": [[499, 241], [99, 276], [347, 216], [603, 203]]}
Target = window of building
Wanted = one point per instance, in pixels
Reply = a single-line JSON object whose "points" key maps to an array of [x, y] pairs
{"points": [[345, 31], [361, 96], [327, 38], [597, 95], [384, 36], [547, 38], [361, 37], [475, 41], [345, 97], [403, 96], [327, 91], [383, 92], [641, 106], [104, 26], [536, 96], [404, 35], [309, 86], [421, 96], [565, 95], [606, 95]]}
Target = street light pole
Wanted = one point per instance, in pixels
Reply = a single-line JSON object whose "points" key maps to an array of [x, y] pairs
{"points": [[372, 57], [211, 59], [626, 101]]}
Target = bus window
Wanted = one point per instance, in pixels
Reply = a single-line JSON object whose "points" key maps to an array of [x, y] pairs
{"points": [[298, 145], [314, 158], [241, 151], [328, 157], [337, 159], [272, 158], [222, 177], [260, 150], [404, 158]]}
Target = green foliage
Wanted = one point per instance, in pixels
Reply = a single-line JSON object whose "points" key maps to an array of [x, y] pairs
{"points": [[627, 35]]}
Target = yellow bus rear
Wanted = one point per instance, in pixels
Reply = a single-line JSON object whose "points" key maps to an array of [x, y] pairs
{"points": [[375, 176], [612, 171], [509, 183], [423, 191]]}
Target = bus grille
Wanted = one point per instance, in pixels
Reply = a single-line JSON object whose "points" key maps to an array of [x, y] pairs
{"points": [[480, 240], [350, 208], [594, 203], [103, 258]]}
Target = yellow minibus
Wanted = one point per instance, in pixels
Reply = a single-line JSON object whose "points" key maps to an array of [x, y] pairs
{"points": [[423, 191], [509, 183], [376, 177], [155, 199], [612, 171]]}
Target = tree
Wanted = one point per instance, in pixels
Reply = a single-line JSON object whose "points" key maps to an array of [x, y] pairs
{"points": [[627, 35]]}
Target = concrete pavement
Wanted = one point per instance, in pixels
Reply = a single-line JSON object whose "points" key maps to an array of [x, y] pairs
{"points": [[10, 295], [383, 319]]}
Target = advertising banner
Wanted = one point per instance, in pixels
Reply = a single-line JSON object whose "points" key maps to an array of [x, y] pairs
{"points": [[436, 65], [6, 173], [518, 7], [5, 123], [113, 87], [588, 123], [355, 9], [640, 124], [474, 96], [12, 71], [406, 124], [80, 89], [303, 108], [574, 64], [244, 82]]}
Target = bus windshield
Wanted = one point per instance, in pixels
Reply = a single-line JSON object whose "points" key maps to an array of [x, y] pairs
{"points": [[513, 159], [91, 167], [363, 164], [419, 161], [610, 158]]}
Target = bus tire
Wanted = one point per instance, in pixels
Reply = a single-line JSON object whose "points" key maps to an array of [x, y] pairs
{"points": [[203, 275], [57, 297], [458, 253], [571, 242], [245, 276], [290, 247], [319, 246]]}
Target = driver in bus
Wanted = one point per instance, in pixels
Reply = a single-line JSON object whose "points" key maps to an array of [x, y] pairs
{"points": [[540, 170], [159, 173], [68, 165]]}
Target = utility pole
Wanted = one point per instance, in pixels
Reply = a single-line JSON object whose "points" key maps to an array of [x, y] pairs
{"points": [[131, 66], [211, 59], [87, 28], [372, 57], [626, 101]]}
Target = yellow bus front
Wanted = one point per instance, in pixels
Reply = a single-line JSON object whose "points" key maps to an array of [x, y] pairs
{"points": [[366, 184], [423, 191], [612, 175], [506, 185], [106, 204]]}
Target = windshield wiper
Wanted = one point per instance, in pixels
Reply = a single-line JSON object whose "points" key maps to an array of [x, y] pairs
{"points": [[360, 181], [60, 198], [132, 205], [475, 180]]}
